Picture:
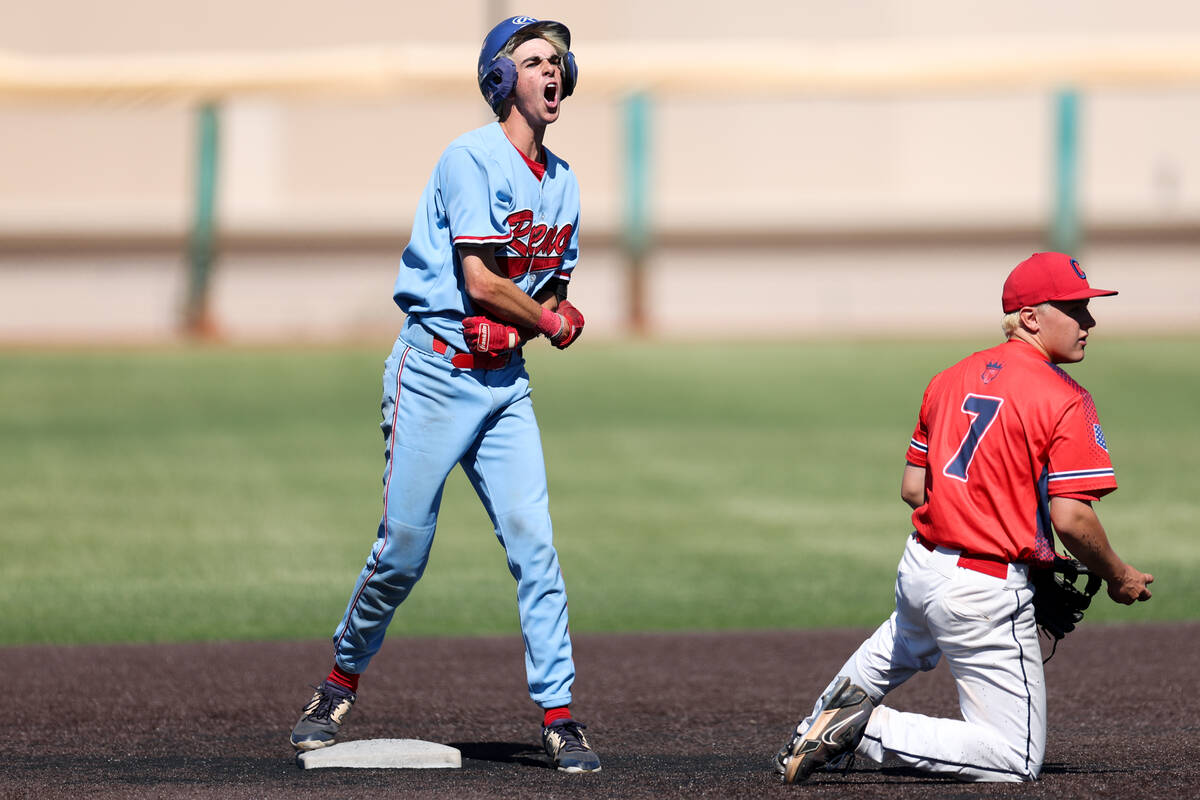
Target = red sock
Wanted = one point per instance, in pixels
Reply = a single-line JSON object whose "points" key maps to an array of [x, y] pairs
{"points": [[555, 714], [348, 680]]}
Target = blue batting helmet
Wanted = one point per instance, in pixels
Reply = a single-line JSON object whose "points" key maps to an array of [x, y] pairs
{"points": [[498, 76]]}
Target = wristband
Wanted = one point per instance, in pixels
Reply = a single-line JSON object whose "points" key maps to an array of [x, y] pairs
{"points": [[550, 323]]}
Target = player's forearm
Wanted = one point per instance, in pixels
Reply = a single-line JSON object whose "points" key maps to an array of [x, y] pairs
{"points": [[505, 302], [547, 298], [501, 298], [1079, 528]]}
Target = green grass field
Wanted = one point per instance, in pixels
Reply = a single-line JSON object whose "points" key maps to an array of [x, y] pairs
{"points": [[193, 494]]}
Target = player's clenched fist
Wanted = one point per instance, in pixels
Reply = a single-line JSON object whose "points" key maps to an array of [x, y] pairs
{"points": [[557, 328], [574, 324], [485, 335]]}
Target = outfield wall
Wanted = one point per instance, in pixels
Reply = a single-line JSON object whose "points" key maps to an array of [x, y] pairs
{"points": [[123, 294], [899, 209]]}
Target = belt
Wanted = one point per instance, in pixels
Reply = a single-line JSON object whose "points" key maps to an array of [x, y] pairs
{"points": [[472, 360], [995, 566]]}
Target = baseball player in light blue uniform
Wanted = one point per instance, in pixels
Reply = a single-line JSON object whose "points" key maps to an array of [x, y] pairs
{"points": [[494, 243]]}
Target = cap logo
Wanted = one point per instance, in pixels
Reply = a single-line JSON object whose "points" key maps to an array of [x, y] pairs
{"points": [[1078, 270], [523, 20]]}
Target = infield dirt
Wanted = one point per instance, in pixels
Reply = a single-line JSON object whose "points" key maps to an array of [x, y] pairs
{"points": [[679, 715]]}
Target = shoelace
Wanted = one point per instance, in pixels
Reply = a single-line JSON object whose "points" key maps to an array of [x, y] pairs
{"points": [[572, 738], [324, 709]]}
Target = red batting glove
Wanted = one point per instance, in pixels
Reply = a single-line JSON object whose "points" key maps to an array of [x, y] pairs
{"points": [[485, 335], [574, 320]]}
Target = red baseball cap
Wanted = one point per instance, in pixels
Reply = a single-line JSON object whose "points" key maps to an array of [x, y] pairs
{"points": [[1044, 277]]}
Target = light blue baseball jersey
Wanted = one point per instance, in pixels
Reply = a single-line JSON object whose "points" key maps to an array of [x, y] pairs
{"points": [[482, 192], [437, 415]]}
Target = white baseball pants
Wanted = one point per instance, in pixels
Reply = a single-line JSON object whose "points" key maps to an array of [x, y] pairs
{"points": [[984, 626]]}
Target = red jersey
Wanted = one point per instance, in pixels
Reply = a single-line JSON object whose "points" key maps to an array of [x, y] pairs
{"points": [[999, 433]]}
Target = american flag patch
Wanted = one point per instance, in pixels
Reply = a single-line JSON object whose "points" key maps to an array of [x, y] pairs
{"points": [[1098, 434]]}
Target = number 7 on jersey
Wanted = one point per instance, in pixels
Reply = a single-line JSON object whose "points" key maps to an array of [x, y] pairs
{"points": [[982, 410]]}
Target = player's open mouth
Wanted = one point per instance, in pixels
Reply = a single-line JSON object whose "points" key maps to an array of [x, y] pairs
{"points": [[550, 93]]}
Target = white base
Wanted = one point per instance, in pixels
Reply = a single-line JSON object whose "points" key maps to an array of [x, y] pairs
{"points": [[382, 754]]}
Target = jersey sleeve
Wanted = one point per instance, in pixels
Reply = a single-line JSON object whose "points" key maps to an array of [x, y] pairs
{"points": [[570, 255], [918, 445], [477, 197], [1079, 462], [570, 202], [1087, 497]]}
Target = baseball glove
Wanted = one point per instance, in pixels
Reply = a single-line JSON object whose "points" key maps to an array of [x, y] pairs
{"points": [[1058, 603]]}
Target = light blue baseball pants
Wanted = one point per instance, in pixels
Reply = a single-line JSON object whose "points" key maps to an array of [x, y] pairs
{"points": [[435, 416]]}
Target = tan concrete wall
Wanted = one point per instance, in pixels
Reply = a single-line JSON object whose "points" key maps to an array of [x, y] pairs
{"points": [[874, 188]]}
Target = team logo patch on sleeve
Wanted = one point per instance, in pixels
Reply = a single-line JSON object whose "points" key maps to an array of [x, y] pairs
{"points": [[1098, 434]]}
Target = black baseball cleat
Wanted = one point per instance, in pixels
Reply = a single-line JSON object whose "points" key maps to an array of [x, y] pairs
{"points": [[842, 762], [835, 733], [568, 747], [322, 717]]}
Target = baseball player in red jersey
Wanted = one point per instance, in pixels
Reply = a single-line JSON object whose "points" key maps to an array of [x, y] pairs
{"points": [[1007, 450]]}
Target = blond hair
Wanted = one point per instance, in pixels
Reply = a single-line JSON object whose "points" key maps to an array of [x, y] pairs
{"points": [[548, 31], [1010, 323]]}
